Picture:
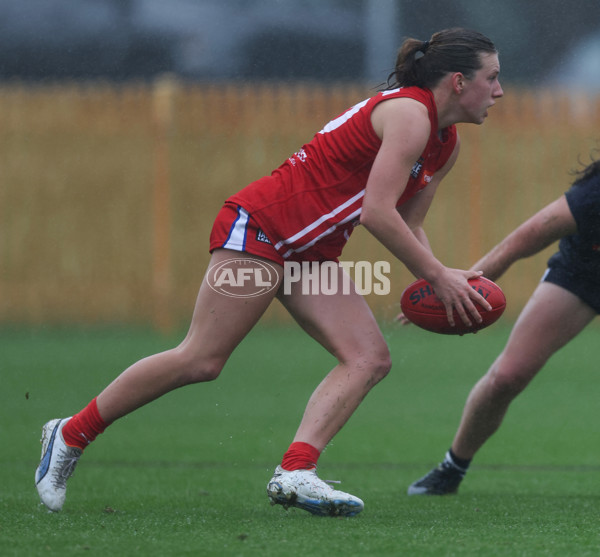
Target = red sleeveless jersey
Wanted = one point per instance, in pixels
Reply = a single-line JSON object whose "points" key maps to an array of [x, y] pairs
{"points": [[309, 206]]}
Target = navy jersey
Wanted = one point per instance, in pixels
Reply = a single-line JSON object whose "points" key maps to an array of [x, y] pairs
{"points": [[580, 252]]}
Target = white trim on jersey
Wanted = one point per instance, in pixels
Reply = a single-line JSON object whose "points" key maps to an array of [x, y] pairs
{"points": [[343, 118], [340, 120], [310, 244], [320, 221]]}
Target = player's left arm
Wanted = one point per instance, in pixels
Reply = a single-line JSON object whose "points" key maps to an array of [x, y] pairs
{"points": [[538, 232], [415, 209]]}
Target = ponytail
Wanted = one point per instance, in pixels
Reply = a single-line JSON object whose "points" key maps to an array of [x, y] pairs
{"points": [[424, 63]]}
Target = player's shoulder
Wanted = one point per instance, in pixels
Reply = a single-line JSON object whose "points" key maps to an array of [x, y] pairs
{"points": [[586, 189], [404, 97], [400, 113]]}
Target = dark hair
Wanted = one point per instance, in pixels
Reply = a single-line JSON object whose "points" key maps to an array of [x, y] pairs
{"points": [[592, 170], [424, 63]]}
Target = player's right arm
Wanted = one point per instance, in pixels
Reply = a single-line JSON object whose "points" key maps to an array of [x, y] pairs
{"points": [[543, 229]]}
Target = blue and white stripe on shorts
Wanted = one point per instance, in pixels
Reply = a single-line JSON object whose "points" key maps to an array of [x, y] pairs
{"points": [[236, 240]]}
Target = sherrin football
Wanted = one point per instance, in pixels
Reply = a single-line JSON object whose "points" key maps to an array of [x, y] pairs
{"points": [[422, 307]]}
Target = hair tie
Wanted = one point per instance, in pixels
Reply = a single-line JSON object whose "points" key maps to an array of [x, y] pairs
{"points": [[424, 47]]}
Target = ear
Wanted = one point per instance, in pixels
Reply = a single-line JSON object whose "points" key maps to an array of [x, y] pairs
{"points": [[458, 82]]}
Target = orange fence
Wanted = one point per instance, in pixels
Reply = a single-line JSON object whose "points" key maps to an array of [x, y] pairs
{"points": [[108, 192]]}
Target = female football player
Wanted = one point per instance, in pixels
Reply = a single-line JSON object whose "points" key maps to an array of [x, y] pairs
{"points": [[564, 302], [379, 164]]}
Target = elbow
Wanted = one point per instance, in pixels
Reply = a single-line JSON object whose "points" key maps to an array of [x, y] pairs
{"points": [[366, 218]]}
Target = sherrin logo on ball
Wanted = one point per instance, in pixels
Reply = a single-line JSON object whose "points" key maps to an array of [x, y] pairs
{"points": [[422, 307]]}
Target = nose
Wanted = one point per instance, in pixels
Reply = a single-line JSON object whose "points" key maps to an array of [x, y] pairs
{"points": [[498, 91]]}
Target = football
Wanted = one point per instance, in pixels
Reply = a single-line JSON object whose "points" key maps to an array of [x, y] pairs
{"points": [[422, 307]]}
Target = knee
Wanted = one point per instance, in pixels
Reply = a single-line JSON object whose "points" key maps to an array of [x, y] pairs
{"points": [[507, 377], [197, 368], [378, 364], [384, 365]]}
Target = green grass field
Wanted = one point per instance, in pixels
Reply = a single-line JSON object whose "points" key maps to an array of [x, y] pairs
{"points": [[187, 474]]}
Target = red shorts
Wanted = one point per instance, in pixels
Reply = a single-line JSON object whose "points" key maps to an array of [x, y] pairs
{"points": [[235, 229]]}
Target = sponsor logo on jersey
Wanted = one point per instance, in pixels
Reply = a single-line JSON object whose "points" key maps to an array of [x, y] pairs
{"points": [[262, 237], [416, 169], [300, 155]]}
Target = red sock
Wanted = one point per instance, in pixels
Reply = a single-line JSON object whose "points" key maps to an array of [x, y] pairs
{"points": [[84, 426], [300, 456]]}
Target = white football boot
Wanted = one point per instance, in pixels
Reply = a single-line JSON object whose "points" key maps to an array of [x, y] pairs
{"points": [[56, 466], [303, 489]]}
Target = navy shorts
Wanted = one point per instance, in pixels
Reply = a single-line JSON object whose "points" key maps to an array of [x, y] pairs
{"points": [[586, 290]]}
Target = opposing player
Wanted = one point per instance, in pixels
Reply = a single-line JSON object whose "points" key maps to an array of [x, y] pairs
{"points": [[565, 301], [378, 164]]}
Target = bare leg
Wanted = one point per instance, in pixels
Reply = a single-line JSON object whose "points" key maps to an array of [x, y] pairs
{"points": [[218, 325], [552, 317], [345, 326]]}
